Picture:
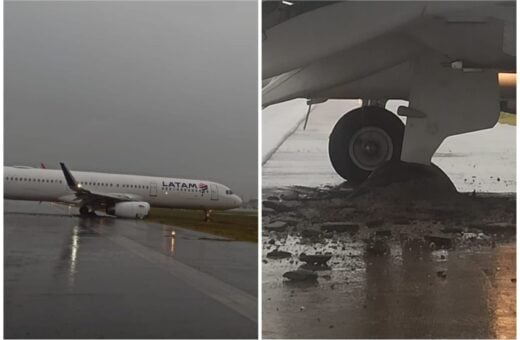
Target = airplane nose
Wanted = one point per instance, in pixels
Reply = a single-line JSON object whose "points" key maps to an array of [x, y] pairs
{"points": [[238, 201]]}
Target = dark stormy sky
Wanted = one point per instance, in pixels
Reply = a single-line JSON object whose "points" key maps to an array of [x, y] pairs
{"points": [[161, 88]]}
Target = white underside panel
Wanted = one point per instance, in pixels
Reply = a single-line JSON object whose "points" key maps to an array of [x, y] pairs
{"points": [[449, 102]]}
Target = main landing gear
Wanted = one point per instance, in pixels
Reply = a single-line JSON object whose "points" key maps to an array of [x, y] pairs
{"points": [[362, 140], [86, 211]]}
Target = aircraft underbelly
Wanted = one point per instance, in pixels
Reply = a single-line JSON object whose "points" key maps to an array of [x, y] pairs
{"points": [[31, 193], [334, 28]]}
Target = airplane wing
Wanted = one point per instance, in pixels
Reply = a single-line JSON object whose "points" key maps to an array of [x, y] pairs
{"points": [[84, 196], [445, 58], [365, 49]]}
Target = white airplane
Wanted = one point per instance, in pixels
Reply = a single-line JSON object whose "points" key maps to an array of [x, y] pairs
{"points": [[454, 61], [126, 196]]}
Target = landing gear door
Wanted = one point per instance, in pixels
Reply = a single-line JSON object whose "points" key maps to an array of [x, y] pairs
{"points": [[153, 189], [214, 192]]}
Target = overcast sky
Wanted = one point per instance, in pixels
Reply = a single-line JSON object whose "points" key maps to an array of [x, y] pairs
{"points": [[162, 88]]}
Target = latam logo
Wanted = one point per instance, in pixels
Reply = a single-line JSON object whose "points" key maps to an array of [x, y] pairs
{"points": [[183, 185]]}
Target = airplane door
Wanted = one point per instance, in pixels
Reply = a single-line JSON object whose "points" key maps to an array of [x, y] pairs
{"points": [[153, 189], [214, 192]]}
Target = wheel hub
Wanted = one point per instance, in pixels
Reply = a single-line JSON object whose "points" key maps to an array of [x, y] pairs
{"points": [[370, 147]]}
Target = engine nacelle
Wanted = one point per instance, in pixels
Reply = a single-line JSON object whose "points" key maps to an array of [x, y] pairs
{"points": [[130, 209]]}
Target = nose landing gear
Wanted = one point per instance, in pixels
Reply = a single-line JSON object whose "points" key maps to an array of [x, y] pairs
{"points": [[207, 217]]}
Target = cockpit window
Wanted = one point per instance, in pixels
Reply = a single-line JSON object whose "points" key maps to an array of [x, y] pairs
{"points": [[229, 192]]}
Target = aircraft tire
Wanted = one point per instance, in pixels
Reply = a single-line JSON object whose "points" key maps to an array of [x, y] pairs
{"points": [[84, 210], [362, 140]]}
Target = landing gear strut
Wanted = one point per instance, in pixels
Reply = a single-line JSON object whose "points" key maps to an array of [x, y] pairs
{"points": [[86, 211], [362, 140]]}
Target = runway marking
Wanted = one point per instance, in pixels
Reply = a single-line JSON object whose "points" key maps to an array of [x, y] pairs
{"points": [[232, 297]]}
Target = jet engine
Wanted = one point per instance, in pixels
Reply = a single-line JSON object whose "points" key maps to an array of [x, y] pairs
{"points": [[130, 209]]}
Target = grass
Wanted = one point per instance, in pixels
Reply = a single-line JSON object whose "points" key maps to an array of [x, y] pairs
{"points": [[507, 118], [235, 225]]}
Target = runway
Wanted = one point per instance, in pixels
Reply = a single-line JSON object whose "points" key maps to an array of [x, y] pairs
{"points": [[102, 277], [395, 296], [394, 270]]}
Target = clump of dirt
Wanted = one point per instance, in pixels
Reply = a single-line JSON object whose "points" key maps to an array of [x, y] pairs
{"points": [[328, 212], [406, 182], [409, 207]]}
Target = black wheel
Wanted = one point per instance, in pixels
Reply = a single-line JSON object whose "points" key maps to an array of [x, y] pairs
{"points": [[362, 140], [84, 210]]}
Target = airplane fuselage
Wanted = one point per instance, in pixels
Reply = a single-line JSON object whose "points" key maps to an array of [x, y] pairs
{"points": [[33, 184]]}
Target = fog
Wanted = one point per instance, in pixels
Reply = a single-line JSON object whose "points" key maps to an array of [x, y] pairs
{"points": [[161, 88]]}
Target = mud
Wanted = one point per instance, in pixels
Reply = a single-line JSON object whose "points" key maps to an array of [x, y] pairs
{"points": [[430, 248], [407, 182], [325, 213]]}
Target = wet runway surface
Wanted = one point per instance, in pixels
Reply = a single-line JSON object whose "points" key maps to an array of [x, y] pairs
{"points": [[70, 277], [393, 270], [396, 296]]}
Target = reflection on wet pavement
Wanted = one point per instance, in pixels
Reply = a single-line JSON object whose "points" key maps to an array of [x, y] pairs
{"points": [[407, 293], [102, 277], [414, 271], [169, 242]]}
